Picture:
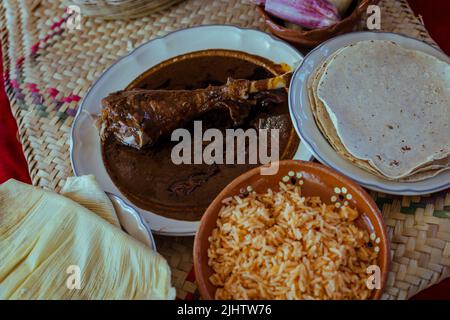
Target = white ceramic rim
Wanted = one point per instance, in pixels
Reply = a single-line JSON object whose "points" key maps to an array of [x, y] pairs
{"points": [[132, 222], [162, 225], [310, 134]]}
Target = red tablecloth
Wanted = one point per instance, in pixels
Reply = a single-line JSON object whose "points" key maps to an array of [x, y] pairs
{"points": [[13, 164], [12, 160]]}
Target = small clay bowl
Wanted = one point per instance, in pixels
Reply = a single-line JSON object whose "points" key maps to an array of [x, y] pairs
{"points": [[318, 180], [309, 38]]}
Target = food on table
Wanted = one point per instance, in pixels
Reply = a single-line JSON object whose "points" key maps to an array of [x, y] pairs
{"points": [[47, 241], [282, 245], [139, 117], [149, 178], [385, 108], [312, 14]]}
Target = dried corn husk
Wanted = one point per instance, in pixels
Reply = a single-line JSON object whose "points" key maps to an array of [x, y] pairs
{"points": [[43, 235]]}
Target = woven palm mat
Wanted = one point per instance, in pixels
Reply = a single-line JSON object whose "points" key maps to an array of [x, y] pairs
{"points": [[49, 68]]}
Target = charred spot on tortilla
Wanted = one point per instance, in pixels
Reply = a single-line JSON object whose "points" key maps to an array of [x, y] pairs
{"points": [[393, 163], [406, 148]]}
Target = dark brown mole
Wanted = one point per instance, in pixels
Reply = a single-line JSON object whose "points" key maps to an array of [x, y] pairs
{"points": [[152, 181], [389, 126]]}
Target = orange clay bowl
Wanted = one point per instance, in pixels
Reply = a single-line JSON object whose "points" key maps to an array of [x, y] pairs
{"points": [[318, 180], [310, 38]]}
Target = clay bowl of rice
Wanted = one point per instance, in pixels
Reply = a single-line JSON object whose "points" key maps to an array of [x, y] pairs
{"points": [[306, 232]]}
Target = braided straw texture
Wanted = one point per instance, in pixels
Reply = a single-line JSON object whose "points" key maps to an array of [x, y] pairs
{"points": [[49, 68], [121, 9]]}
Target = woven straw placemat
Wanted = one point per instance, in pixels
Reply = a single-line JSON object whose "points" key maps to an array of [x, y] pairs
{"points": [[120, 9], [49, 68]]}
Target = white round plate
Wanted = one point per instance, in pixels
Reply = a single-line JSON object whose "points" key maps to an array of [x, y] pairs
{"points": [[310, 134], [85, 152]]}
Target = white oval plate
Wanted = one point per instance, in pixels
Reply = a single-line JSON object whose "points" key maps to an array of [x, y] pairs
{"points": [[85, 151], [311, 136], [132, 222]]}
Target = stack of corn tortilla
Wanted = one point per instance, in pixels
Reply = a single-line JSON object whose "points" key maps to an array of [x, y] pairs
{"points": [[385, 108]]}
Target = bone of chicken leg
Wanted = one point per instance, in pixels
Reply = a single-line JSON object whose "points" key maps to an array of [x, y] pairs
{"points": [[278, 82], [139, 117]]}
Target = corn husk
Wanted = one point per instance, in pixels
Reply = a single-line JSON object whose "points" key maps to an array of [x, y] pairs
{"points": [[44, 236]]}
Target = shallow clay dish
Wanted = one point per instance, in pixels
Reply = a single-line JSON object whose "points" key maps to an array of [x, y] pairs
{"points": [[318, 181], [311, 38]]}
